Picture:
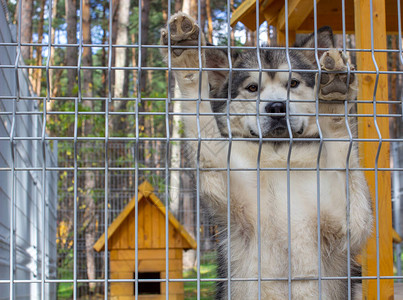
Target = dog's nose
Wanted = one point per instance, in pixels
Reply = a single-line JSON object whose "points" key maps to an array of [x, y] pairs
{"points": [[276, 108]]}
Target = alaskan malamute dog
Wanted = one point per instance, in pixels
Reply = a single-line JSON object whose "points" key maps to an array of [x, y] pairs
{"points": [[273, 143]]}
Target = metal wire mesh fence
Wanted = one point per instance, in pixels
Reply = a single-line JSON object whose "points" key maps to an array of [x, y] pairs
{"points": [[121, 186], [162, 156]]}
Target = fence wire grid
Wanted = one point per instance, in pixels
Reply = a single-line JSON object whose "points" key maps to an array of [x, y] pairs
{"points": [[89, 112]]}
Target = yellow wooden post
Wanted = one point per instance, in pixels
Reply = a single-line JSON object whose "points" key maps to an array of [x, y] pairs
{"points": [[281, 37], [368, 150]]}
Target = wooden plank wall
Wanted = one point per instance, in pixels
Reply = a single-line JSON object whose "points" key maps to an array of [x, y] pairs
{"points": [[151, 228], [122, 266], [368, 150]]}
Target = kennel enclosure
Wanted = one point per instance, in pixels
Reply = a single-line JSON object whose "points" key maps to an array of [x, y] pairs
{"points": [[93, 168]]}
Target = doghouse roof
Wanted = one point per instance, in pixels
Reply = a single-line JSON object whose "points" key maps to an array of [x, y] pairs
{"points": [[301, 15], [145, 197]]}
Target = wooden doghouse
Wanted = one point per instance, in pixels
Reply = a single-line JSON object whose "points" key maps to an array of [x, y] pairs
{"points": [[151, 249]]}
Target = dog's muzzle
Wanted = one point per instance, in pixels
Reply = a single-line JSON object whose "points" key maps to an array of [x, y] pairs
{"points": [[278, 123], [274, 123], [277, 110]]}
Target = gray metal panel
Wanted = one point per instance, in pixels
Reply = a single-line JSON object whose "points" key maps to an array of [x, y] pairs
{"points": [[28, 186]]}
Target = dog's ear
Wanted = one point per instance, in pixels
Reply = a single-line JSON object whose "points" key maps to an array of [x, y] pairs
{"points": [[325, 40], [218, 58]]}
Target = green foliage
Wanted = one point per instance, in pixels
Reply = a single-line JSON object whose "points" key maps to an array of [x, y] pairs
{"points": [[208, 269], [65, 290], [65, 270]]}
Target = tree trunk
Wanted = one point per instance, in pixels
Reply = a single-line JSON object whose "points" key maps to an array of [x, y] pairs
{"points": [[118, 122], [250, 38], [178, 5], [186, 6], [190, 7], [121, 53], [194, 9], [209, 22], [145, 12], [232, 29], [103, 56], [164, 5], [247, 35], [57, 74], [115, 17], [87, 53], [52, 72], [89, 217], [38, 72], [165, 19], [26, 28], [71, 52], [143, 89], [134, 63], [88, 129], [202, 13]]}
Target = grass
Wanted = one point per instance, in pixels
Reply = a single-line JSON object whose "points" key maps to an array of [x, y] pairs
{"points": [[65, 289], [207, 270]]}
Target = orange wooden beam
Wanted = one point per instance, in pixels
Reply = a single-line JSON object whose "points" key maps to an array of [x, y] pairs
{"points": [[368, 150], [281, 37], [298, 11], [246, 13]]}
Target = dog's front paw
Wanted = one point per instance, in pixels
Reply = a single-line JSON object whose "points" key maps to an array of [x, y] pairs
{"points": [[334, 82], [183, 31]]}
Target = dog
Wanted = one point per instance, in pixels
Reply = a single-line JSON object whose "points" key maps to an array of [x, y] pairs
{"points": [[278, 159]]}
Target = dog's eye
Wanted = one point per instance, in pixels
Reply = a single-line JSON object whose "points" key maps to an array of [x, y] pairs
{"points": [[294, 83], [252, 88]]}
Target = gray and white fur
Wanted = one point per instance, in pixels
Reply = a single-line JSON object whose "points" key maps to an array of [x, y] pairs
{"points": [[298, 192]]}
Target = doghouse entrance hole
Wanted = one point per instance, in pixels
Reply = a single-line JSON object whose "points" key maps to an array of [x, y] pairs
{"points": [[149, 288]]}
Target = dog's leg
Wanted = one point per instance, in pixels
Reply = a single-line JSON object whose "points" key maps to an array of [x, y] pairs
{"points": [[184, 31], [333, 85], [200, 123], [361, 221], [334, 90]]}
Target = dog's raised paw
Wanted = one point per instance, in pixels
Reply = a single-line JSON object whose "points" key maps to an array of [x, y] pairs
{"points": [[183, 31], [335, 82]]}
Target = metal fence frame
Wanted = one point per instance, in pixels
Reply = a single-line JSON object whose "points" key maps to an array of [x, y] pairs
{"points": [[28, 201], [46, 167]]}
